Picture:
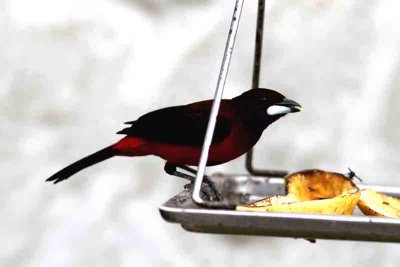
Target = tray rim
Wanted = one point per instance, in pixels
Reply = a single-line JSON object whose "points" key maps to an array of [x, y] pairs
{"points": [[341, 227]]}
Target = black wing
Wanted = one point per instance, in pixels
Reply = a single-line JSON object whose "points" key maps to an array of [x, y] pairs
{"points": [[178, 125]]}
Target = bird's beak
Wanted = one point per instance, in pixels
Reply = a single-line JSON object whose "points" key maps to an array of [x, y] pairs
{"points": [[284, 107]]}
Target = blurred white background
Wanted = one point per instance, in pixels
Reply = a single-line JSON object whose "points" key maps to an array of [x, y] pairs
{"points": [[71, 72]]}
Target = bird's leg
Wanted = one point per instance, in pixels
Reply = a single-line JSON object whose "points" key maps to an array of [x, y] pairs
{"points": [[188, 169], [207, 188], [171, 170]]}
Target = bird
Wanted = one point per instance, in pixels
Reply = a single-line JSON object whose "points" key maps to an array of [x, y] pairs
{"points": [[176, 134]]}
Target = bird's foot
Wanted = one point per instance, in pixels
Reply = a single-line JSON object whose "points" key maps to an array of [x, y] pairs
{"points": [[208, 189]]}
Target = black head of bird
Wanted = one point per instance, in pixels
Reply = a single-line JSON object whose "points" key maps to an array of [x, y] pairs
{"points": [[266, 106]]}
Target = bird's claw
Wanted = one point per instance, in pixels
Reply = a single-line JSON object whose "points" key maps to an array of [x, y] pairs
{"points": [[207, 191]]}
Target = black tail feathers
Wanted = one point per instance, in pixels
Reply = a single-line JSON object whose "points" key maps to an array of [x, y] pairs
{"points": [[81, 164]]}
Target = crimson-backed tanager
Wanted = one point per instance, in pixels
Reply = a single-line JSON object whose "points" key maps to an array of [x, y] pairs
{"points": [[176, 134]]}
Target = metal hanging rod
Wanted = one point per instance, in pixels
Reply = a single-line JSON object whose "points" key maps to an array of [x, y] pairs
{"points": [[217, 101]]}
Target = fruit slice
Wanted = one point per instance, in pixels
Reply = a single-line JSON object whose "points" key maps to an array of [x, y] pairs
{"points": [[377, 204], [312, 191]]}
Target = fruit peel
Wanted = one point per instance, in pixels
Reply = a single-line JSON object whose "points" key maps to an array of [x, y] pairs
{"points": [[312, 191]]}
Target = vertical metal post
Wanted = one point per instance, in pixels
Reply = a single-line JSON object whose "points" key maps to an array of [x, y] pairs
{"points": [[217, 101], [255, 84], [258, 44]]}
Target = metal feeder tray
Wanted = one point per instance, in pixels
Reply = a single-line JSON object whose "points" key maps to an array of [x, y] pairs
{"points": [[244, 189], [198, 215]]}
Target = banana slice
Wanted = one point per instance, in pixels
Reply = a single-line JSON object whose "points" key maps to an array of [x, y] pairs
{"points": [[312, 191], [377, 204]]}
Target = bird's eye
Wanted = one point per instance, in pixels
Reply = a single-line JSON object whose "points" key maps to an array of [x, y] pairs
{"points": [[264, 99]]}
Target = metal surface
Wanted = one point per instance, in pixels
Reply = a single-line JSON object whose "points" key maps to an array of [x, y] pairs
{"points": [[244, 189], [255, 84], [215, 107]]}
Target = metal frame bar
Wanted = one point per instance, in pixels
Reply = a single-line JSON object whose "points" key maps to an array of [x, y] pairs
{"points": [[217, 101], [255, 84]]}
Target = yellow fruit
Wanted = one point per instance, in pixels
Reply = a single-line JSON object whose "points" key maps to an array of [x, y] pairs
{"points": [[312, 191], [377, 204]]}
